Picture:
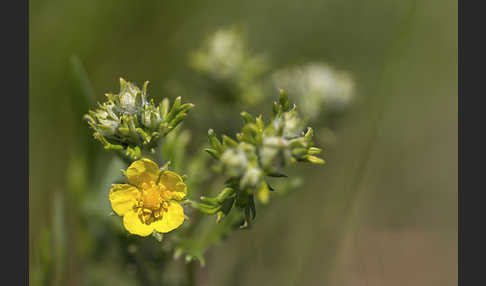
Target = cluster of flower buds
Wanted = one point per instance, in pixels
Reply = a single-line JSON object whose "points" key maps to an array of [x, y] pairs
{"points": [[131, 124], [259, 151]]}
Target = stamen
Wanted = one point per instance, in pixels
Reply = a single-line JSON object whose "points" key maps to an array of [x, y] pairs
{"points": [[151, 203], [165, 206]]}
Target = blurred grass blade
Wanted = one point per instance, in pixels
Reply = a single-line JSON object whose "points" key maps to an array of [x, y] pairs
{"points": [[82, 99], [84, 96], [59, 238]]}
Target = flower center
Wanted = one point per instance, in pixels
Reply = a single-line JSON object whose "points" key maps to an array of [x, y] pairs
{"points": [[151, 199], [151, 205]]}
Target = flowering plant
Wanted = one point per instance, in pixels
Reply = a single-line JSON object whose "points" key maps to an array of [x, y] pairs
{"points": [[167, 190]]}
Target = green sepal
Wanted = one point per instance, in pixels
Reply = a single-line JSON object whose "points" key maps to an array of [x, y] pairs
{"points": [[314, 151], [277, 175], [213, 140], [215, 154], [284, 101], [227, 141], [247, 117], [158, 235]]}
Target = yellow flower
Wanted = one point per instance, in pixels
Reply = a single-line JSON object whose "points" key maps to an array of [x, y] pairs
{"points": [[150, 200]]}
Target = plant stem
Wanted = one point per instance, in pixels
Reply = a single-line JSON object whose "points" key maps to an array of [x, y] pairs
{"points": [[142, 273], [191, 273]]}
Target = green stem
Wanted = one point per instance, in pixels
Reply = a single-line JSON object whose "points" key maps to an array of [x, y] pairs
{"points": [[191, 273], [142, 273]]}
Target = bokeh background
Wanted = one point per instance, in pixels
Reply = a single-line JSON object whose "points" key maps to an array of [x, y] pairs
{"points": [[382, 211]]}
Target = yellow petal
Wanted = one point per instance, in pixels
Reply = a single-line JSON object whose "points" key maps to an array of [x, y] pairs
{"points": [[134, 225], [171, 219], [174, 184], [123, 197], [142, 171]]}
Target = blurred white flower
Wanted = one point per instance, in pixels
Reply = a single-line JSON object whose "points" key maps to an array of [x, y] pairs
{"points": [[225, 53], [226, 60], [316, 87]]}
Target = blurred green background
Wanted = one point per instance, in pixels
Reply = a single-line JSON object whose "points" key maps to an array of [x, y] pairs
{"points": [[382, 211]]}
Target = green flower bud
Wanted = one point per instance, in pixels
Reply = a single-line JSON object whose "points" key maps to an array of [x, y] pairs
{"points": [[315, 160]]}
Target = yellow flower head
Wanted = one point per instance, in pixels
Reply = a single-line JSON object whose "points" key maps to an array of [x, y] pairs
{"points": [[150, 200]]}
